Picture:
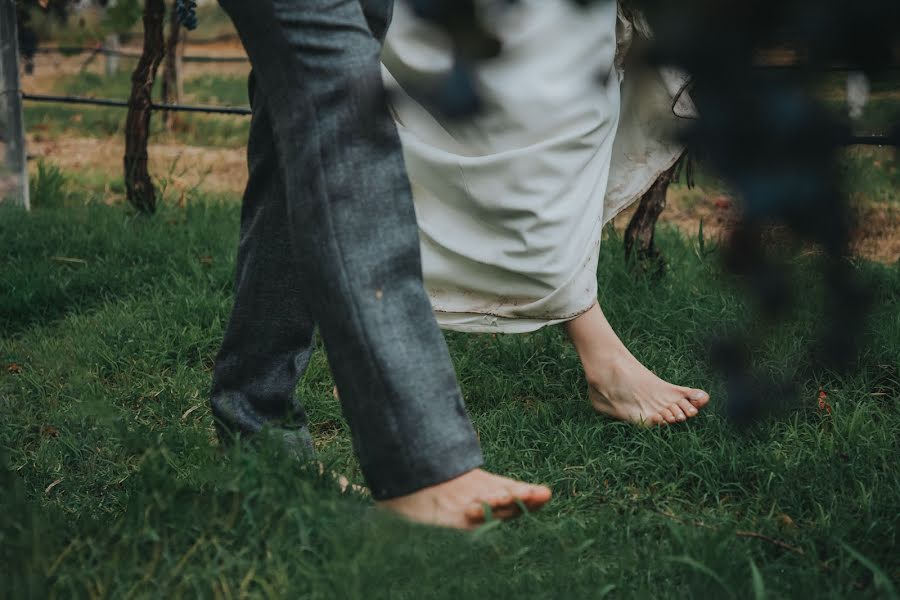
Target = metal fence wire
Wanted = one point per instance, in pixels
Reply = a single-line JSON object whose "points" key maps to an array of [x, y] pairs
{"points": [[77, 50], [880, 139], [217, 110], [888, 139]]}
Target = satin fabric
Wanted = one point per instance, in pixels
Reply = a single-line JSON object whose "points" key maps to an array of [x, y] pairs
{"points": [[511, 203]]}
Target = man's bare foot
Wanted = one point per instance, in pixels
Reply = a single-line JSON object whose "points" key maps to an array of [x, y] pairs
{"points": [[343, 483], [619, 385], [460, 502]]}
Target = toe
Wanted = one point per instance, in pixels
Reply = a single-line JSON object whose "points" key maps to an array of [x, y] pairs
{"points": [[668, 416], [475, 512], [500, 498], [688, 409], [654, 420], [509, 511], [531, 504], [698, 398], [541, 493], [538, 496], [532, 496], [680, 417]]}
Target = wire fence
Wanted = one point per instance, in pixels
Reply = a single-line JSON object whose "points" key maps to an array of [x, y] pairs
{"points": [[78, 50], [99, 49], [887, 138], [217, 110], [881, 139]]}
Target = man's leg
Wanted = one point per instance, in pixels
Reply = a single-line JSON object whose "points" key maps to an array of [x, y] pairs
{"points": [[354, 234], [350, 213], [267, 343], [378, 15]]}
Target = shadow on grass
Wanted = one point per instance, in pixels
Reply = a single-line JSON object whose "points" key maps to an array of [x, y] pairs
{"points": [[57, 261]]}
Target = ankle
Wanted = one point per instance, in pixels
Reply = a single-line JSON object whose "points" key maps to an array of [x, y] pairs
{"points": [[601, 371]]}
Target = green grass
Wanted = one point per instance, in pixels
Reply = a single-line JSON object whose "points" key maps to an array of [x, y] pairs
{"points": [[218, 90], [222, 90], [871, 174], [116, 486]]}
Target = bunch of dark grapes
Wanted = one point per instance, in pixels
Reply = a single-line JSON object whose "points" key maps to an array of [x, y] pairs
{"points": [[187, 13]]}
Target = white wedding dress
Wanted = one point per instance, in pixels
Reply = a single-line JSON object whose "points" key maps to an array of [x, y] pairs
{"points": [[511, 202]]}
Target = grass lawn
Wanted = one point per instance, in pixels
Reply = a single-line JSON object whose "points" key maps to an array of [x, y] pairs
{"points": [[116, 487]]}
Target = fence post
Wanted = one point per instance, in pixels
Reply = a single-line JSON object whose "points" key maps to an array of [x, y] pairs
{"points": [[13, 165], [111, 48], [172, 82], [858, 89]]}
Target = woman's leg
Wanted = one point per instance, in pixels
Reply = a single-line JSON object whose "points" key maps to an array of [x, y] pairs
{"points": [[619, 385]]}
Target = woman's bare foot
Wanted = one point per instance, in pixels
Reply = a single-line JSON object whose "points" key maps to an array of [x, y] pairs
{"points": [[619, 385], [460, 502], [628, 391]]}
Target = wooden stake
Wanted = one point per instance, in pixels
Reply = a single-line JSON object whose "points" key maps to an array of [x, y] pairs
{"points": [[172, 84], [13, 165]]}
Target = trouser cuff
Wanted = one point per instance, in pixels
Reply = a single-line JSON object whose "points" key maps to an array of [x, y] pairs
{"points": [[423, 469]]}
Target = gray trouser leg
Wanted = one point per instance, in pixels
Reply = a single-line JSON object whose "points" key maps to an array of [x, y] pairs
{"points": [[329, 237], [268, 341]]}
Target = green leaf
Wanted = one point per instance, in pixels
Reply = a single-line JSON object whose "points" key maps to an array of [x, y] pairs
{"points": [[700, 567], [759, 586]]}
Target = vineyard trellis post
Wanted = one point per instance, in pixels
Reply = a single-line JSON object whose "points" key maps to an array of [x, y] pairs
{"points": [[172, 83], [13, 164], [111, 46]]}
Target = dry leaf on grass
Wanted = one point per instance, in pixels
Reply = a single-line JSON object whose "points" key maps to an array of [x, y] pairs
{"points": [[49, 431], [722, 203], [786, 521]]}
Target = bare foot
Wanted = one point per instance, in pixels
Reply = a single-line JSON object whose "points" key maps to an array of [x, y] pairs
{"points": [[460, 502], [620, 386], [343, 483], [626, 390]]}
